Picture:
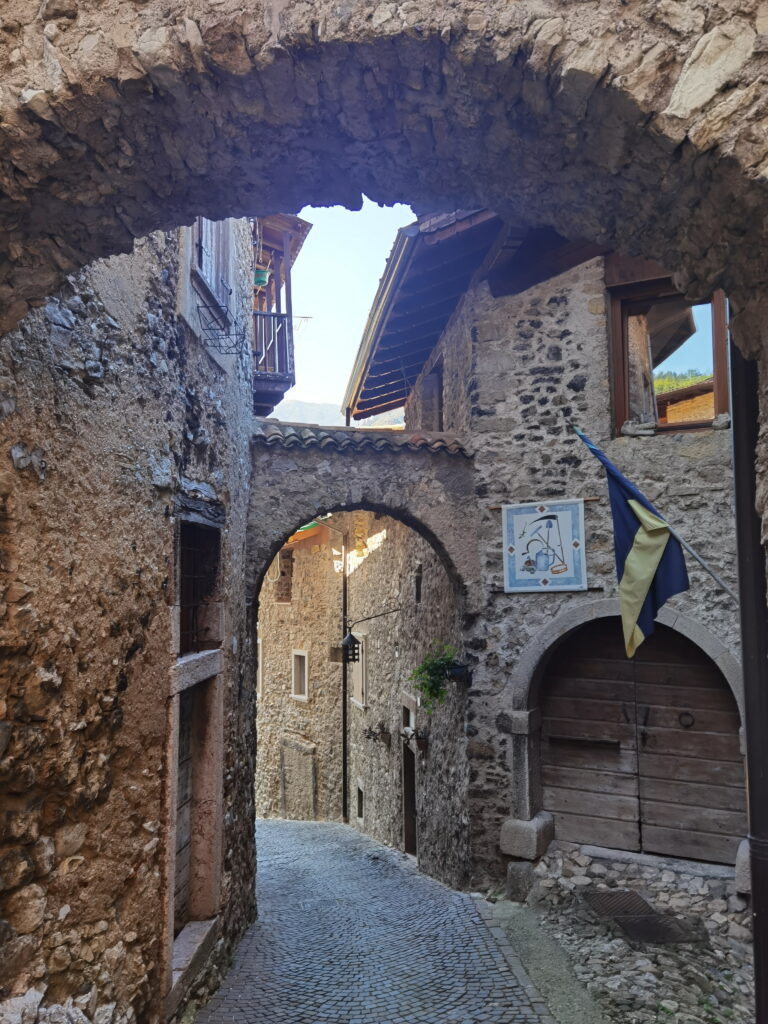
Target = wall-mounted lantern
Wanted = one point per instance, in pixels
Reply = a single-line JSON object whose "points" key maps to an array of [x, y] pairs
{"points": [[350, 647]]}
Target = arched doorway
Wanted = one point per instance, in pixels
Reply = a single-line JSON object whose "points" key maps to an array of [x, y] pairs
{"points": [[641, 754], [347, 738]]}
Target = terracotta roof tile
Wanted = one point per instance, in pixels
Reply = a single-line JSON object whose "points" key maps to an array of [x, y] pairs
{"points": [[273, 433]]}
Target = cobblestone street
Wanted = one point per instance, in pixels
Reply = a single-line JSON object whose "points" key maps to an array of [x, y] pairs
{"points": [[350, 933]]}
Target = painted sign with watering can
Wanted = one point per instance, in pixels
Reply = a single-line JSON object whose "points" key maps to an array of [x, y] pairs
{"points": [[544, 546]]}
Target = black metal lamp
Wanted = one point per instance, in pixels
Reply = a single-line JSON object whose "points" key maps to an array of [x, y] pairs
{"points": [[350, 647]]}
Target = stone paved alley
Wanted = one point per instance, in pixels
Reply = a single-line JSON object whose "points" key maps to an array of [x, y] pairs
{"points": [[349, 932]]}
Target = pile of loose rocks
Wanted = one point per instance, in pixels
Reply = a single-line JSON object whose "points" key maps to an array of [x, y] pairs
{"points": [[686, 983]]}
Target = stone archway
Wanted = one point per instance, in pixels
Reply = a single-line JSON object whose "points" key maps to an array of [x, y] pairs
{"points": [[424, 482], [118, 121]]}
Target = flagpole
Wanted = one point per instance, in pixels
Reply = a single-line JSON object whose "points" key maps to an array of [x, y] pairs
{"points": [[705, 565], [683, 543]]}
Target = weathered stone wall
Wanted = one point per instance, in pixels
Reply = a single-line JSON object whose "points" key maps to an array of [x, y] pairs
{"points": [[382, 576], [110, 406], [311, 622], [539, 362], [643, 130], [383, 557]]}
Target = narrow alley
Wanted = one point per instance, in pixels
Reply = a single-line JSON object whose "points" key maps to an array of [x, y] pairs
{"points": [[350, 933]]}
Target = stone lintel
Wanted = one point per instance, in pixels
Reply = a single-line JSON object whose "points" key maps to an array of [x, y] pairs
{"points": [[527, 840], [195, 668]]}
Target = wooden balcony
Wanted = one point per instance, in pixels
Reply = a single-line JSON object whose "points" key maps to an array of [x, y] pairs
{"points": [[273, 369]]}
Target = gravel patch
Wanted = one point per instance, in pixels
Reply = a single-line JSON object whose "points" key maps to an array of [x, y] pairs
{"points": [[687, 983]]}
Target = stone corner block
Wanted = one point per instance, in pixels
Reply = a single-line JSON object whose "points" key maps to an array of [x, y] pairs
{"points": [[520, 880], [743, 878], [527, 840]]}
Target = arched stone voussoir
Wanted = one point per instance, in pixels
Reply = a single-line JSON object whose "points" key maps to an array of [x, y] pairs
{"points": [[431, 491], [640, 128]]}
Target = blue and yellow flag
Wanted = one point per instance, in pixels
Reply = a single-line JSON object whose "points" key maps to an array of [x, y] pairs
{"points": [[650, 564]]}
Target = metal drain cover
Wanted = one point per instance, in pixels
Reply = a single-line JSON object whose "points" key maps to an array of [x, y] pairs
{"points": [[660, 928], [638, 919], [618, 903]]}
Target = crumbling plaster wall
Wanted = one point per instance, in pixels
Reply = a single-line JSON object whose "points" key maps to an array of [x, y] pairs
{"points": [[383, 556], [643, 130], [539, 360], [310, 622], [109, 406]]}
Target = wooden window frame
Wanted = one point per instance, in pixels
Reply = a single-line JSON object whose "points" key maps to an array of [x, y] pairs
{"points": [[663, 288], [360, 670], [213, 277], [300, 696]]}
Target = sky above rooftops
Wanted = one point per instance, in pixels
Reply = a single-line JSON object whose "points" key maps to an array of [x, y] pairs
{"points": [[334, 281]]}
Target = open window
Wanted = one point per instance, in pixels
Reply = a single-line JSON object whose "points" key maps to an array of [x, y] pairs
{"points": [[669, 356]]}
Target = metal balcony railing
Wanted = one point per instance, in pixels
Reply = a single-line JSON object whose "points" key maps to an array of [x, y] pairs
{"points": [[272, 344]]}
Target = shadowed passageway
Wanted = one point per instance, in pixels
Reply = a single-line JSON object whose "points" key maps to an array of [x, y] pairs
{"points": [[350, 933]]}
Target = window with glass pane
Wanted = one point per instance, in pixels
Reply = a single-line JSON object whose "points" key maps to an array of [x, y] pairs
{"points": [[674, 360]]}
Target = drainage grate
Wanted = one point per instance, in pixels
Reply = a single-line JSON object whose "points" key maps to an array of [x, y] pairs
{"points": [[618, 903], [639, 921], [660, 928]]}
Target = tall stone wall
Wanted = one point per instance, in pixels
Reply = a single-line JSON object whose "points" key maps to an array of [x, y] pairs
{"points": [[109, 407], [301, 737], [383, 559], [539, 361]]}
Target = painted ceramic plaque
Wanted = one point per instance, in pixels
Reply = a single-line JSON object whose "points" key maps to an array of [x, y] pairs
{"points": [[544, 547]]}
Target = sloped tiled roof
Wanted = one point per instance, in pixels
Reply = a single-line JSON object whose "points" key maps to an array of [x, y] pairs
{"points": [[273, 433]]}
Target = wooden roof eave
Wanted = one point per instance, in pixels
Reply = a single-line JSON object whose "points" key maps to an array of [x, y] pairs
{"points": [[403, 252]]}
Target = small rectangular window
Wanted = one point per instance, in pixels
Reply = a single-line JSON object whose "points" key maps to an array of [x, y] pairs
{"points": [[259, 670], [360, 671], [299, 676], [360, 802], [284, 585], [211, 241], [670, 358], [418, 580], [199, 556]]}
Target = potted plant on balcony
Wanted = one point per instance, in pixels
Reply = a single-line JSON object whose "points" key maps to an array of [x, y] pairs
{"points": [[261, 274], [432, 675]]}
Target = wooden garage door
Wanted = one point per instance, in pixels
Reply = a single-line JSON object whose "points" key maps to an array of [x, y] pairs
{"points": [[642, 754]]}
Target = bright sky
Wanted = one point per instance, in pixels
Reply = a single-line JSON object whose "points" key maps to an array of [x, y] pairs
{"points": [[696, 352], [334, 281]]}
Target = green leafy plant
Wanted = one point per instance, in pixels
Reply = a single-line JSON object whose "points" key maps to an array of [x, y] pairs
{"points": [[430, 677]]}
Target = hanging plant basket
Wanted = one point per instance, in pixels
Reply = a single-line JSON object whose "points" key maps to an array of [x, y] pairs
{"points": [[261, 277]]}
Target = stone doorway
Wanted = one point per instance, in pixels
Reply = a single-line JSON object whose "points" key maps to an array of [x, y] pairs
{"points": [[642, 754]]}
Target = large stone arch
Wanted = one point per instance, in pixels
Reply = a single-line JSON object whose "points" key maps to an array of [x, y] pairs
{"points": [[429, 488], [122, 117]]}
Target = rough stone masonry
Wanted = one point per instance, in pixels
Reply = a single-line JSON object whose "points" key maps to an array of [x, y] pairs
{"points": [[642, 128]]}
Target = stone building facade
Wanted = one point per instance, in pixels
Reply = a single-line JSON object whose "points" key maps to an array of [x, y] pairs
{"points": [[406, 772], [127, 441], [510, 373]]}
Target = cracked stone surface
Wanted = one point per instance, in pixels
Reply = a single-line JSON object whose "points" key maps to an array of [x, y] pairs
{"points": [[349, 932]]}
